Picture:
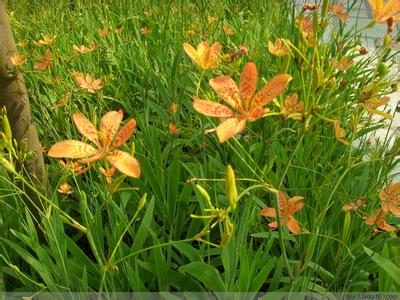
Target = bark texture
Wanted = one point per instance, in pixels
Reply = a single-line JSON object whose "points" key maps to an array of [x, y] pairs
{"points": [[14, 97]]}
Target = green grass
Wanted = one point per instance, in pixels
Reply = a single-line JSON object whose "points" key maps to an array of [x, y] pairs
{"points": [[155, 246]]}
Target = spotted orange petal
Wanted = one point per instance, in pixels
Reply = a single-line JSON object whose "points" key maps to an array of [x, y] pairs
{"points": [[71, 149], [271, 90], [293, 225], [229, 128], [268, 212], [227, 89], [124, 134], [213, 56], [273, 225], [257, 113], [212, 109], [125, 163], [86, 128], [248, 83], [109, 125]]}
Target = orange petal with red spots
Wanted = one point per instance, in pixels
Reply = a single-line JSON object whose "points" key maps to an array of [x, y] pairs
{"points": [[229, 128], [212, 109], [125, 163], [271, 90], [227, 89], [71, 149]]}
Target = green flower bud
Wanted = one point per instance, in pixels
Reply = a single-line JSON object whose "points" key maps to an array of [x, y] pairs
{"points": [[230, 187]]}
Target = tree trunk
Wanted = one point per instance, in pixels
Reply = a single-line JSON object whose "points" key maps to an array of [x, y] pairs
{"points": [[14, 97]]}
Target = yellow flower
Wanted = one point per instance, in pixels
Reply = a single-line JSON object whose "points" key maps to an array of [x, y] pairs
{"points": [[18, 60], [384, 11], [45, 41], [211, 20], [279, 48], [207, 57]]}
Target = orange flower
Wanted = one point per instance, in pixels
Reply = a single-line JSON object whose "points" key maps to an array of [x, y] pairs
{"points": [[148, 13], [82, 49], [65, 188], [45, 61], [242, 104], [384, 11], [103, 32], [173, 129], [390, 197], [55, 80], [379, 220], [343, 63], [372, 104], [108, 174], [337, 10], [106, 141], [205, 56], [279, 48], [306, 27], [309, 6], [62, 101], [145, 30], [46, 41], [353, 205], [118, 30], [75, 167], [286, 210], [228, 30], [292, 107], [18, 60], [88, 83], [191, 33], [339, 132]]}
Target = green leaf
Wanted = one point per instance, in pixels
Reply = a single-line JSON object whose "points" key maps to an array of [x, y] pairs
{"points": [[206, 274], [258, 281], [142, 232], [390, 268], [190, 252]]}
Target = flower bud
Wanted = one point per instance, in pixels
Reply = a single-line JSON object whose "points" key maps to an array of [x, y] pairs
{"points": [[142, 201], [6, 127], [205, 195], [230, 187]]}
